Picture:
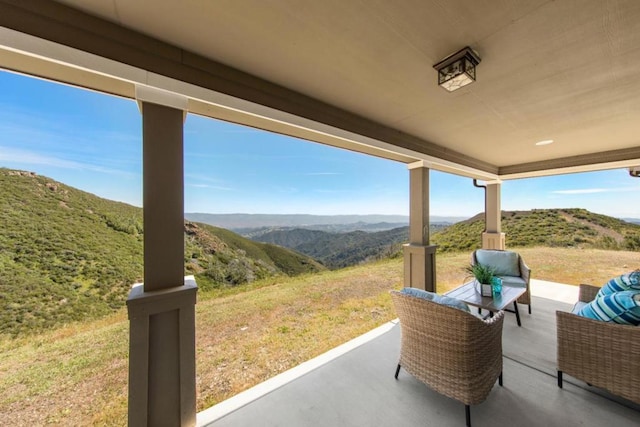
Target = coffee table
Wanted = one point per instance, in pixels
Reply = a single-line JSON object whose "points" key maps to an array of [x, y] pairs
{"points": [[470, 293]]}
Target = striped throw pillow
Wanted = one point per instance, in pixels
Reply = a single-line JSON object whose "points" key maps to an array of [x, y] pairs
{"points": [[626, 282], [619, 307]]}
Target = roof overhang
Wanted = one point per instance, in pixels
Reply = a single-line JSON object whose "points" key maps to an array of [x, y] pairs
{"points": [[61, 43]]}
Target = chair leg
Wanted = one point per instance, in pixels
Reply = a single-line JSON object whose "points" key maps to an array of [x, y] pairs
{"points": [[500, 379], [397, 371], [529, 308], [560, 379], [467, 413]]}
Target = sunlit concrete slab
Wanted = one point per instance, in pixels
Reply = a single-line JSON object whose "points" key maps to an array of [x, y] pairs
{"points": [[354, 386], [554, 291]]}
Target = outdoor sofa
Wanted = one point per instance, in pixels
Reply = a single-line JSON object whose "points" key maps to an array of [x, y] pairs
{"points": [[603, 354]]}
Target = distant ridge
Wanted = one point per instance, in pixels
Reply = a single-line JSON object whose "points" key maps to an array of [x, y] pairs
{"points": [[571, 227], [631, 220], [243, 220], [338, 250]]}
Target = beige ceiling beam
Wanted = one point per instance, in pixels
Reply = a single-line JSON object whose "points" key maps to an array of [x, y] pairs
{"points": [[102, 40], [614, 159], [53, 41], [42, 58]]}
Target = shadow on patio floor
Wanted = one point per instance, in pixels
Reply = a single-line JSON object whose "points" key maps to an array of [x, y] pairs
{"points": [[357, 388]]}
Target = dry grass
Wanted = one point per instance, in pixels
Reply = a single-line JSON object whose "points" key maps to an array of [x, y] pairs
{"points": [[64, 377], [77, 375], [570, 266], [263, 332]]}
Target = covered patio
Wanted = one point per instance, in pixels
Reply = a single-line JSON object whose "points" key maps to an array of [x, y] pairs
{"points": [[353, 385], [556, 91]]}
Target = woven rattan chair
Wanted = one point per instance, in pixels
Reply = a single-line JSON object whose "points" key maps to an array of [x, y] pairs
{"points": [[523, 279], [450, 350], [602, 354]]}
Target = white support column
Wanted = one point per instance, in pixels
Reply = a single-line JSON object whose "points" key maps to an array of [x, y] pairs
{"points": [[419, 256], [493, 238], [162, 388]]}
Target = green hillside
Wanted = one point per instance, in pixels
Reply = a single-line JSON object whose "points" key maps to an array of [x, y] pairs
{"points": [[339, 250], [566, 228], [231, 259], [577, 228], [67, 255], [346, 249]]}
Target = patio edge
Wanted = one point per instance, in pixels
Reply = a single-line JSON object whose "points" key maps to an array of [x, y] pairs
{"points": [[220, 410]]}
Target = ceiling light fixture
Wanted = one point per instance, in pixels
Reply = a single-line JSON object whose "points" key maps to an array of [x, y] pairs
{"points": [[545, 142], [458, 69]]}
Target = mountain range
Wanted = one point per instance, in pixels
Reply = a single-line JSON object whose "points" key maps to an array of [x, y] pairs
{"points": [[246, 221], [338, 250], [68, 255], [577, 228]]}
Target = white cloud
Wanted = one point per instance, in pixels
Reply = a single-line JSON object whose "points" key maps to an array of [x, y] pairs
{"points": [[598, 190], [25, 157], [583, 191], [213, 187], [202, 177]]}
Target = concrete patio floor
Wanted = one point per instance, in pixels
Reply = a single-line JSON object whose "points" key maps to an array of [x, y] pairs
{"points": [[353, 385]]}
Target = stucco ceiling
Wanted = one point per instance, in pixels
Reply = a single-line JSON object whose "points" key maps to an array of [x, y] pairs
{"points": [[566, 70]]}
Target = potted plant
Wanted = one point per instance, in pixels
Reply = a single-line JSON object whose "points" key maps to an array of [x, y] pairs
{"points": [[484, 275]]}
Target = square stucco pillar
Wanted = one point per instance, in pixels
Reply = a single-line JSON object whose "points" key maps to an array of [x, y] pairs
{"points": [[419, 256], [162, 388], [493, 238]]}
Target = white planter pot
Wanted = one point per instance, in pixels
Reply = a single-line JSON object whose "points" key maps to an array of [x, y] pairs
{"points": [[486, 290]]}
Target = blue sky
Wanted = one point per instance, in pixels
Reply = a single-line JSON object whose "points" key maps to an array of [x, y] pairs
{"points": [[93, 142]]}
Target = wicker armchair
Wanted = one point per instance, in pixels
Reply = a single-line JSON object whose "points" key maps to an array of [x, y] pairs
{"points": [[451, 351], [522, 279], [603, 354]]}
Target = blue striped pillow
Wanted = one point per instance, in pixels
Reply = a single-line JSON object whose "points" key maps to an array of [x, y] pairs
{"points": [[626, 282], [619, 307]]}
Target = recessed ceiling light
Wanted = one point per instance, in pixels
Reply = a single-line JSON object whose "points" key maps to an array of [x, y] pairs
{"points": [[545, 142]]}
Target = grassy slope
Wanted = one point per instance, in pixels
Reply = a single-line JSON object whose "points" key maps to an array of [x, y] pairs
{"points": [[344, 249], [77, 375], [67, 255], [576, 228], [285, 260]]}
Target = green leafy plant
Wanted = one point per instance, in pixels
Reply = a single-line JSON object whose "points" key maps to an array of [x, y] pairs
{"points": [[483, 273]]}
